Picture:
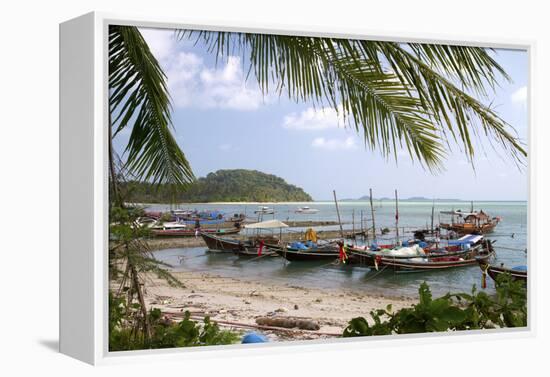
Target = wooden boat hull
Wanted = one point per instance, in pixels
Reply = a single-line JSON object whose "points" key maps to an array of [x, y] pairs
{"points": [[215, 243], [495, 271], [294, 255], [191, 232], [463, 229], [429, 262], [248, 248], [252, 252]]}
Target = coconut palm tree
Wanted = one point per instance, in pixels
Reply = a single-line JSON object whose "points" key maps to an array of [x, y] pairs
{"points": [[418, 97]]}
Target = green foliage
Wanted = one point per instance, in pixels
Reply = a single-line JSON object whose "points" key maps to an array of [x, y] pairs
{"points": [[164, 333], [222, 186], [127, 246], [451, 312], [139, 98]]}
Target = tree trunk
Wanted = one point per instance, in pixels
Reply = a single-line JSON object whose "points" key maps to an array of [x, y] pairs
{"points": [[116, 200], [146, 327]]}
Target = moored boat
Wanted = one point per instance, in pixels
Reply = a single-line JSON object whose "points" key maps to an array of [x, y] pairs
{"points": [[295, 252], [469, 222], [249, 247], [187, 232], [517, 273], [264, 210], [459, 253], [306, 210]]}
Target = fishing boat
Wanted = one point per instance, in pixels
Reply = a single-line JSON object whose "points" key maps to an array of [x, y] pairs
{"points": [[306, 210], [264, 210], [188, 232], [469, 222], [249, 247], [294, 252], [517, 272], [458, 253]]}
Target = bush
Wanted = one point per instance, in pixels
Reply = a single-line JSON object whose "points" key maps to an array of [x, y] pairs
{"points": [[451, 312], [164, 334]]}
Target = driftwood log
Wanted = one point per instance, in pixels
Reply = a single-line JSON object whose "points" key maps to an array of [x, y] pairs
{"points": [[288, 322]]}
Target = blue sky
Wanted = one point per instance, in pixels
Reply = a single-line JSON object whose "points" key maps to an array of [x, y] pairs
{"points": [[223, 122]]}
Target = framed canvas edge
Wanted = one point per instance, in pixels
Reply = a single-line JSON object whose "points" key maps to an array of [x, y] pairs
{"points": [[103, 356]]}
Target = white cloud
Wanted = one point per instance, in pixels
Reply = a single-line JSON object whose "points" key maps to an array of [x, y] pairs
{"points": [[192, 83], [161, 42], [334, 144], [314, 119], [520, 96]]}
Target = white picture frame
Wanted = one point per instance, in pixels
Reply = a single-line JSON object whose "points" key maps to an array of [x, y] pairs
{"points": [[84, 190]]}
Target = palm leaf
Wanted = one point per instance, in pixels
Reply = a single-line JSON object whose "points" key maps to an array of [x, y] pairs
{"points": [[139, 97], [418, 107]]}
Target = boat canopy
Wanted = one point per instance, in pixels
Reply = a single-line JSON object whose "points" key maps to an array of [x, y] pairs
{"points": [[458, 213], [269, 224], [467, 239]]}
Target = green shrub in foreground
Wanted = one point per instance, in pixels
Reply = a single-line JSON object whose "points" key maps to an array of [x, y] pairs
{"points": [[451, 312]]}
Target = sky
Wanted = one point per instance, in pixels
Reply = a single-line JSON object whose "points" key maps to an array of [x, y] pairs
{"points": [[222, 121]]}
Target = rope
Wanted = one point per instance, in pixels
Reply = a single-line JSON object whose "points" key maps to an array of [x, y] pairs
{"points": [[512, 248], [376, 273]]}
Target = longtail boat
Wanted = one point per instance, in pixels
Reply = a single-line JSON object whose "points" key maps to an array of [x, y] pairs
{"points": [[248, 247], [187, 232], [517, 273], [472, 247], [329, 252], [469, 222]]}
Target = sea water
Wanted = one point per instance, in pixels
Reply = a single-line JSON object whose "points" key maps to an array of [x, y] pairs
{"points": [[510, 236]]}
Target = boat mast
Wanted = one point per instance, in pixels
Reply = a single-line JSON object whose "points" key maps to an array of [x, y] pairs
{"points": [[338, 213], [432, 227], [396, 217], [372, 214], [353, 221]]}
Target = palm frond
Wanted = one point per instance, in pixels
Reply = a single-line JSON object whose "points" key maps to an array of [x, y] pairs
{"points": [[456, 111], [424, 102], [139, 97]]}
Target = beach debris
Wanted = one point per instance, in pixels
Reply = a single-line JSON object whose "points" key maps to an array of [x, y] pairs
{"points": [[254, 293], [281, 310], [254, 337], [247, 302], [295, 306], [318, 299], [288, 322]]}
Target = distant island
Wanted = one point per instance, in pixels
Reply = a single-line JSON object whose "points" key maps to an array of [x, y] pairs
{"points": [[235, 185], [412, 199]]}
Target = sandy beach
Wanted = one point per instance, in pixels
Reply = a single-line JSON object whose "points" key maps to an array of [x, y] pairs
{"points": [[238, 303]]}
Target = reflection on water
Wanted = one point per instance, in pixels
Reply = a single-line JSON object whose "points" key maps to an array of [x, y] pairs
{"points": [[510, 236]]}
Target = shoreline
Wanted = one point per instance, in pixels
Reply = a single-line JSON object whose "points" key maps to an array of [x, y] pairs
{"points": [[237, 303]]}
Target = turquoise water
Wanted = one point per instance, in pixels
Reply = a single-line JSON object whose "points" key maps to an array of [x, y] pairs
{"points": [[510, 236]]}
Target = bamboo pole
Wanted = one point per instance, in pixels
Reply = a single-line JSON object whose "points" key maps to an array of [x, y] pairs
{"points": [[396, 217], [432, 227], [353, 221], [372, 214], [338, 213]]}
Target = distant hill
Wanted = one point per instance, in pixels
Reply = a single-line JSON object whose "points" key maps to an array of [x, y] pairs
{"points": [[412, 199], [237, 185]]}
